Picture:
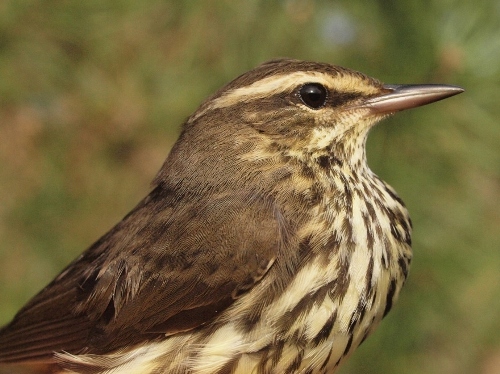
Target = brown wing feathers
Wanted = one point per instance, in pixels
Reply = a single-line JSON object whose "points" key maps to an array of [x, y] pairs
{"points": [[130, 287]]}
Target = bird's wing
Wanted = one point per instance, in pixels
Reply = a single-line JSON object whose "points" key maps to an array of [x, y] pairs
{"points": [[171, 265]]}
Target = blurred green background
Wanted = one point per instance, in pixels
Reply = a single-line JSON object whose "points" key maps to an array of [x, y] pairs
{"points": [[93, 93]]}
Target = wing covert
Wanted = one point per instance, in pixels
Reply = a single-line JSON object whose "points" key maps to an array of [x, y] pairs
{"points": [[166, 267]]}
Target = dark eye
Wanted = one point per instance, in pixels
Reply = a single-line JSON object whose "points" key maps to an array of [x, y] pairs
{"points": [[313, 95]]}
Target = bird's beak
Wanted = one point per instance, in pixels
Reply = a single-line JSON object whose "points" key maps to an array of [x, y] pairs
{"points": [[405, 96]]}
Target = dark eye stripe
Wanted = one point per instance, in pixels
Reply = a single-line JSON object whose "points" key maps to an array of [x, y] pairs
{"points": [[339, 98], [316, 96]]}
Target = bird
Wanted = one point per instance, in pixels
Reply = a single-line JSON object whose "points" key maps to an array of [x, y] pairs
{"points": [[265, 245]]}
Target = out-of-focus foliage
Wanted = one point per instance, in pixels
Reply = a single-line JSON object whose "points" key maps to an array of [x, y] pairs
{"points": [[93, 93]]}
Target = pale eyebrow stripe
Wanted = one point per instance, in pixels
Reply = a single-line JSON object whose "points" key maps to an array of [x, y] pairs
{"points": [[285, 82], [269, 86], [264, 88]]}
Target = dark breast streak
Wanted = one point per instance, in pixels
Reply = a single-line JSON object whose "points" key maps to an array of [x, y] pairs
{"points": [[355, 251]]}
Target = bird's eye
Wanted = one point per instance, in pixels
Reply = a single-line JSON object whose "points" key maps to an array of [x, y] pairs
{"points": [[313, 95]]}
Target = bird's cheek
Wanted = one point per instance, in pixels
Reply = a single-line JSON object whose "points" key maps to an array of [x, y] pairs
{"points": [[328, 116]]}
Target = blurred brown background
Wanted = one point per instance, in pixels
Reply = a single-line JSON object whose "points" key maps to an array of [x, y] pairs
{"points": [[93, 94]]}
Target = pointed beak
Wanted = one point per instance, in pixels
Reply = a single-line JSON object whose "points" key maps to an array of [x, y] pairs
{"points": [[400, 97]]}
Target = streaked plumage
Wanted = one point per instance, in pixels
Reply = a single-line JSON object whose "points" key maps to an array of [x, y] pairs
{"points": [[266, 244]]}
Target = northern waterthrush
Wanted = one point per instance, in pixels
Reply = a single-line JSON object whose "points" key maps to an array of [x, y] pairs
{"points": [[265, 246]]}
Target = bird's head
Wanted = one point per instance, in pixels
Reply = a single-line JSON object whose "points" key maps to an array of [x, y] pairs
{"points": [[304, 110]]}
